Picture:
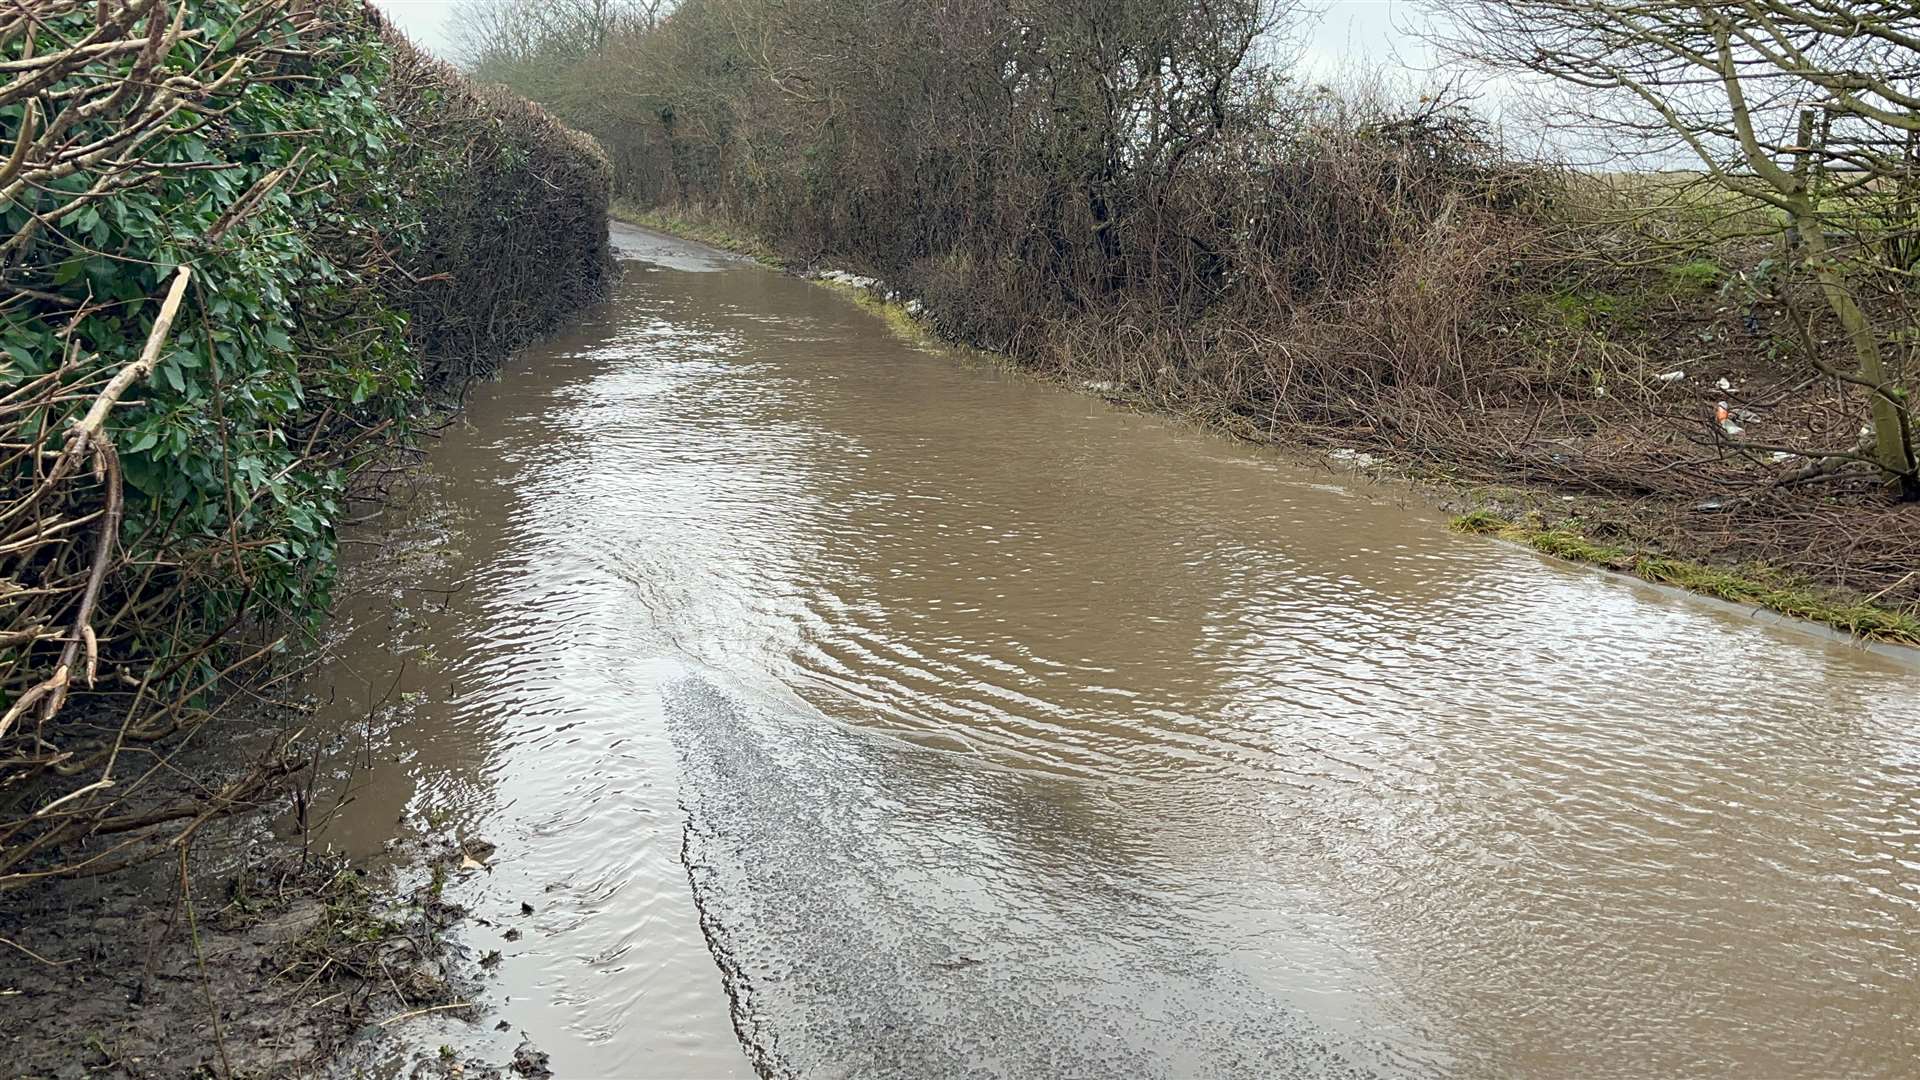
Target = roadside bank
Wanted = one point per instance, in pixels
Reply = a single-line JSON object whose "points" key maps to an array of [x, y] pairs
{"points": [[280, 965], [1696, 548]]}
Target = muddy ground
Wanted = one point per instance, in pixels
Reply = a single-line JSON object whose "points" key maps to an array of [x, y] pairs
{"points": [[288, 962], [281, 966]]}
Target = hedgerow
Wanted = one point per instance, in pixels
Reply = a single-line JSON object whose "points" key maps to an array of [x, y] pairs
{"points": [[515, 234], [229, 249]]}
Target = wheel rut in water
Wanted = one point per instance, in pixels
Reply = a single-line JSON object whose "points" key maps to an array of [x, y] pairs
{"points": [[843, 957]]}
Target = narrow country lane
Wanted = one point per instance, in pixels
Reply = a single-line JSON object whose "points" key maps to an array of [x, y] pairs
{"points": [[894, 716]]}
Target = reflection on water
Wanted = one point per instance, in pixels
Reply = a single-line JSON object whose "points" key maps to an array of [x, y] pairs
{"points": [[1011, 735]]}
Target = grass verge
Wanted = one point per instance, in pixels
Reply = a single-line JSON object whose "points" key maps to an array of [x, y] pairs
{"points": [[914, 332], [1754, 586]]}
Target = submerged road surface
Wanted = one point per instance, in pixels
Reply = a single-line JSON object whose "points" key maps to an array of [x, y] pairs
{"points": [[846, 709]]}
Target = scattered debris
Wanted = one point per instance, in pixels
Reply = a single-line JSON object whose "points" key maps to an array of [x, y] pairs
{"points": [[447, 1064], [530, 1062], [463, 856], [1359, 459], [1674, 376], [1725, 419], [842, 277]]}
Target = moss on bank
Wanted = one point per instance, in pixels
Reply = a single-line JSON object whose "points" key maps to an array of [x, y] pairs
{"points": [[1752, 586], [899, 320]]}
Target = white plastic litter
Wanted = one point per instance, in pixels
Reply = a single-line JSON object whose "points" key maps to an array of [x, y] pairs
{"points": [[842, 277], [1725, 417]]}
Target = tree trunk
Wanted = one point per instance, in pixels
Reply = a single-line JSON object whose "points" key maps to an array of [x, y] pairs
{"points": [[1889, 430]]}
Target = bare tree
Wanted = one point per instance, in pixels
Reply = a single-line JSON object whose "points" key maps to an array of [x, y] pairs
{"points": [[527, 44], [1810, 108]]}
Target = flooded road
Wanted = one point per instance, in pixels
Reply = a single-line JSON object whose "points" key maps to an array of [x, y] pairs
{"points": [[845, 709]]}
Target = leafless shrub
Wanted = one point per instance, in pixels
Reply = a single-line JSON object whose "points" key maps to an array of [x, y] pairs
{"points": [[1808, 109]]}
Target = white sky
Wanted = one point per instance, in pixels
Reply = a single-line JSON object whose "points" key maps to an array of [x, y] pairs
{"points": [[425, 21], [1350, 34]]}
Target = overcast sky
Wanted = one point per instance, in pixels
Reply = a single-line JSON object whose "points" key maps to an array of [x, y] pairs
{"points": [[1365, 32], [1362, 33], [424, 20]]}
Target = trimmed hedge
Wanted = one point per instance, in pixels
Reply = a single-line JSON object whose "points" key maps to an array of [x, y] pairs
{"points": [[240, 249], [515, 232]]}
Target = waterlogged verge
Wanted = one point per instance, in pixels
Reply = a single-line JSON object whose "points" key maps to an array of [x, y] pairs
{"points": [[1759, 587], [1753, 586]]}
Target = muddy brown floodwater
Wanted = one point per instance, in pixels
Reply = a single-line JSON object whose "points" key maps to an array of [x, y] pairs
{"points": [[848, 709]]}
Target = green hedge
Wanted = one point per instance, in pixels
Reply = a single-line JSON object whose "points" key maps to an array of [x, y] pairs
{"points": [[360, 224], [515, 236]]}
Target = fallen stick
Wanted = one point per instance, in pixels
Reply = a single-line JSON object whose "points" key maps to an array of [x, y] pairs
{"points": [[88, 434], [422, 1012]]}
